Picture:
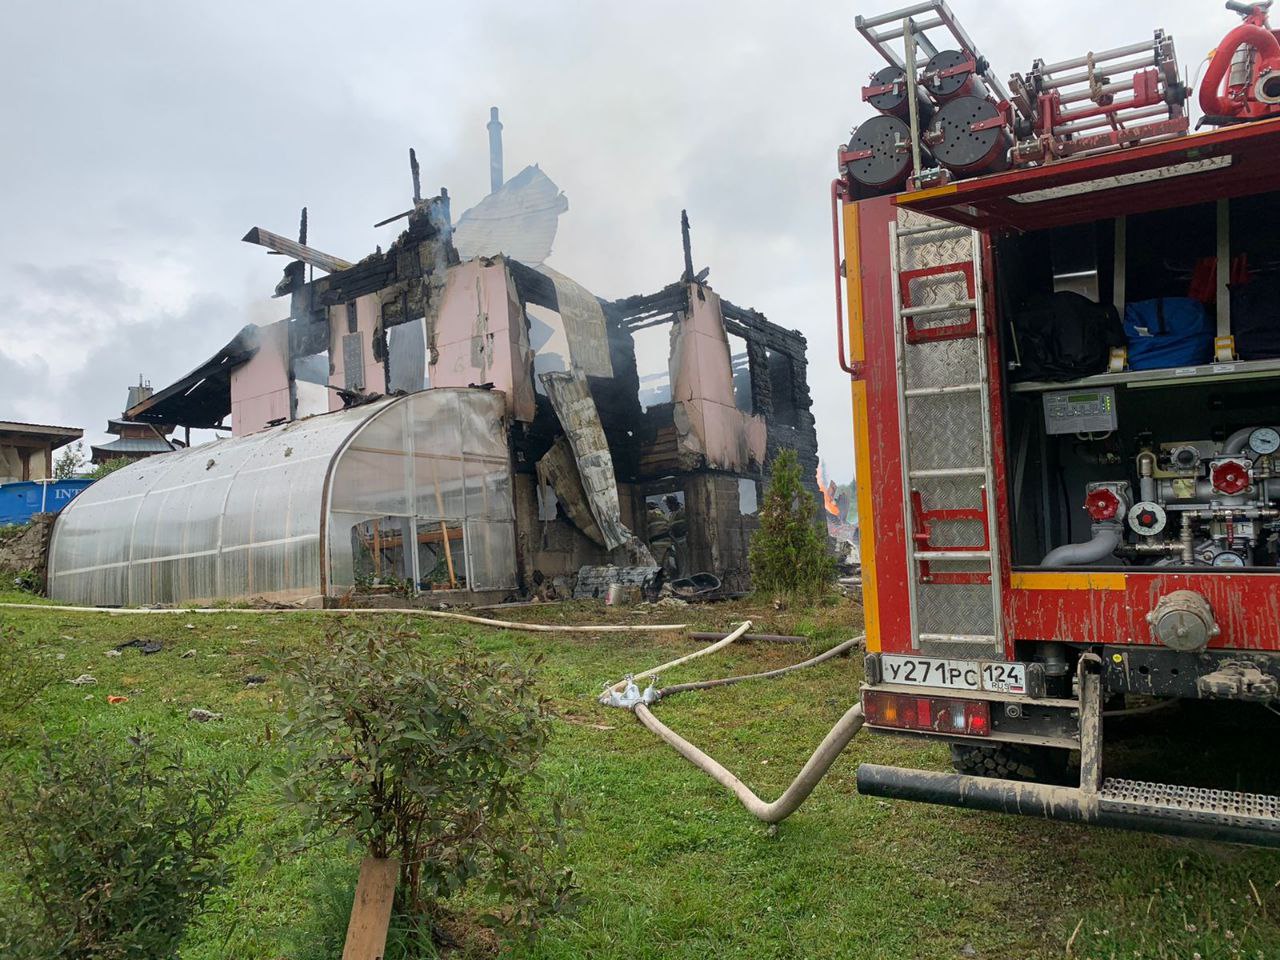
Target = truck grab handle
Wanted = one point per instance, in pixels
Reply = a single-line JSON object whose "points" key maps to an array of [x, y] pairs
{"points": [[837, 194]]}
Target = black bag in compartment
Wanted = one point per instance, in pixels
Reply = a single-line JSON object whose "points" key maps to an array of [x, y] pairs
{"points": [[1063, 336], [1255, 318]]}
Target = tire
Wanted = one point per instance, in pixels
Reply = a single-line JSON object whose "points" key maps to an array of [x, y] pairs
{"points": [[1009, 761]]}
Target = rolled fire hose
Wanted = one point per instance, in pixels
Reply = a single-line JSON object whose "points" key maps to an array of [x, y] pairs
{"points": [[814, 770]]}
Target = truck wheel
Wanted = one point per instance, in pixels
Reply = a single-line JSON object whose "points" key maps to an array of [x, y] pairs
{"points": [[1012, 762]]}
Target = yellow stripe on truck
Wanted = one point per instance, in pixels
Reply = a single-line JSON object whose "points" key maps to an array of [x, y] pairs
{"points": [[1067, 581], [853, 283], [866, 524], [861, 429]]}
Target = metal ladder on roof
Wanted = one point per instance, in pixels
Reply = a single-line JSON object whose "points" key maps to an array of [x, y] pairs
{"points": [[944, 413]]}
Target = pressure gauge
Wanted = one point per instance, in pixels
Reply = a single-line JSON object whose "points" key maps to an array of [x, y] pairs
{"points": [[1264, 440], [1228, 559]]}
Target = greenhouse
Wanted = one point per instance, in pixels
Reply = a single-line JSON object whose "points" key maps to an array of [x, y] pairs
{"points": [[411, 493]]}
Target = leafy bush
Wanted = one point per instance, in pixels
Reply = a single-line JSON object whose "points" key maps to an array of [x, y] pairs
{"points": [[428, 758], [115, 851], [70, 461], [108, 466], [27, 581], [788, 553]]}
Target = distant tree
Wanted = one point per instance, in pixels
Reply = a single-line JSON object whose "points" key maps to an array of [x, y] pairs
{"points": [[70, 461], [109, 466], [789, 552]]}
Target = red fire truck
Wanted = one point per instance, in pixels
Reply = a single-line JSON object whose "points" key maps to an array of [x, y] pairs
{"points": [[1059, 308]]}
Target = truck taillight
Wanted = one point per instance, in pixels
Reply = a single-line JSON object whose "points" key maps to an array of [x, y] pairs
{"points": [[936, 714]]}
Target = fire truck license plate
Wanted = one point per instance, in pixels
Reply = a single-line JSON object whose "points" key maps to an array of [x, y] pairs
{"points": [[993, 676]]}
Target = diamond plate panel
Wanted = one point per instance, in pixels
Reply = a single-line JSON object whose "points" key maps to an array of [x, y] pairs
{"points": [[954, 608], [953, 494], [931, 250], [940, 290], [945, 431], [944, 363]]}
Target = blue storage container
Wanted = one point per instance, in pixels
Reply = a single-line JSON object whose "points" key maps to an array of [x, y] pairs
{"points": [[20, 501], [1168, 332]]}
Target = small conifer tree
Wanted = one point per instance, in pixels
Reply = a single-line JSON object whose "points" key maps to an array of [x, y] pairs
{"points": [[789, 552]]}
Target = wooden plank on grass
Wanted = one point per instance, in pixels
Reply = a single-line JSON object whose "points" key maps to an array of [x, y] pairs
{"points": [[371, 911]]}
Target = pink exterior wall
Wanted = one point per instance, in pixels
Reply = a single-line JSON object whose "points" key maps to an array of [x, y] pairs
{"points": [[260, 385], [367, 323], [707, 420], [480, 336]]}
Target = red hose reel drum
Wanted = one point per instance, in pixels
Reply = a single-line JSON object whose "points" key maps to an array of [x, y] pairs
{"points": [[951, 74], [887, 92], [970, 136]]}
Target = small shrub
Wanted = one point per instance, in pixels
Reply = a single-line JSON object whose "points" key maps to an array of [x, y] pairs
{"points": [[70, 461], [428, 758], [788, 554], [115, 851], [108, 466], [27, 581]]}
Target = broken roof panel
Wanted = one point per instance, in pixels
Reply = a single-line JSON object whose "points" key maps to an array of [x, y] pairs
{"points": [[203, 397], [519, 219], [583, 320]]}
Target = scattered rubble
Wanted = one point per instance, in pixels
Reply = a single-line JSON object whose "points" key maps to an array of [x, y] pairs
{"points": [[146, 646]]}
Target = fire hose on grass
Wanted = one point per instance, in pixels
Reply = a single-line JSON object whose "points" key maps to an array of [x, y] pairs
{"points": [[627, 695]]}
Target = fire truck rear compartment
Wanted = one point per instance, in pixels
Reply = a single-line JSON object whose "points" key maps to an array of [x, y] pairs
{"points": [[1148, 468]]}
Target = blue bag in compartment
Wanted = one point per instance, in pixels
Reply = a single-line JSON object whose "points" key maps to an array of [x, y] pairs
{"points": [[1169, 332]]}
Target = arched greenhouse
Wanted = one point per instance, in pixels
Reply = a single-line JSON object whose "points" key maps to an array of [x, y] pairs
{"points": [[408, 491]]}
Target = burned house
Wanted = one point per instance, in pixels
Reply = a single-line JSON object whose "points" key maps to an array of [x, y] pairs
{"points": [[447, 415]]}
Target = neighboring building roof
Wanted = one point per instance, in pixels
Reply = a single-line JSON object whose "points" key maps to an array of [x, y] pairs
{"points": [[132, 446], [519, 219], [203, 397], [40, 433], [118, 426]]}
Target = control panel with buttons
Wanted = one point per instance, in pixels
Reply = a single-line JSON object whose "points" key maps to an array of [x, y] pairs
{"points": [[1080, 411]]}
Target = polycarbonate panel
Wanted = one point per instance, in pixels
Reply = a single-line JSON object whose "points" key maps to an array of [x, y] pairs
{"points": [[234, 519], [452, 465], [491, 548], [242, 518]]}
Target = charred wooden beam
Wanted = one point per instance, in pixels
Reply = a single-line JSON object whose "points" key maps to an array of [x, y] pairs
{"points": [[291, 248]]}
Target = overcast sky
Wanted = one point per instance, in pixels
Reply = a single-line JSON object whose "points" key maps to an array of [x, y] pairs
{"points": [[143, 140]]}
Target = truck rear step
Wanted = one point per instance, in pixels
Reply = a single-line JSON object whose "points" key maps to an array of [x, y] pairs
{"points": [[1256, 810]]}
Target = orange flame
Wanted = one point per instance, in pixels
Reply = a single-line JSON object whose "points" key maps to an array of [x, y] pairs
{"points": [[828, 492]]}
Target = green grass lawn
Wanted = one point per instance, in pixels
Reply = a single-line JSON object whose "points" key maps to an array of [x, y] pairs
{"points": [[670, 866]]}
